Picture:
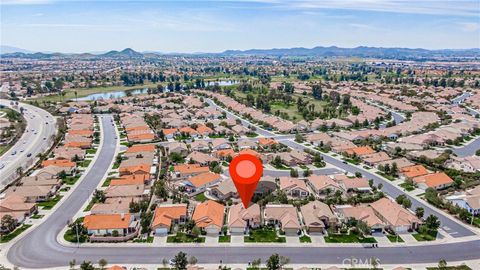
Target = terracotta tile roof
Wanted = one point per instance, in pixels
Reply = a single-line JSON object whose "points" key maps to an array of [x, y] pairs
{"points": [[225, 153], [359, 151], [266, 141], [168, 131], [143, 168], [114, 221], [141, 148], [209, 213], [434, 180], [204, 129], [165, 213], [190, 168], [414, 171], [59, 163], [83, 132], [204, 178], [131, 179], [393, 213]]}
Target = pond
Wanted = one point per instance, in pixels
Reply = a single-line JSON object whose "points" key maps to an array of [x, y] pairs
{"points": [[115, 94]]}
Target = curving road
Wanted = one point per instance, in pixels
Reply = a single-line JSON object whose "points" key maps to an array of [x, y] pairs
{"points": [[36, 139], [40, 249]]}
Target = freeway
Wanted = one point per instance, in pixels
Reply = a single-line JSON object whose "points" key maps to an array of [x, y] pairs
{"points": [[40, 248], [36, 139]]}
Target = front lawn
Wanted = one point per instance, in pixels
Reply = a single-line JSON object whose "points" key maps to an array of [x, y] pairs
{"points": [[71, 180], [348, 238], [149, 239], [352, 161], [91, 151], [407, 186], [224, 239], [264, 236], [280, 166], [305, 239], [394, 238], [200, 197], [15, 233], [106, 183], [47, 205], [37, 216], [85, 163], [185, 238], [71, 236], [424, 237]]}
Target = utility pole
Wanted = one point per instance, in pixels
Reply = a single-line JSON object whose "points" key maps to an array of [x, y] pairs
{"points": [[78, 240]]}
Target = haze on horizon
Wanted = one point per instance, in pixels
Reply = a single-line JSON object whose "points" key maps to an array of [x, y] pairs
{"points": [[215, 26]]}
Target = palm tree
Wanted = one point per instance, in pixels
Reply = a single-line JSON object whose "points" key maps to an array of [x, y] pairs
{"points": [[19, 171], [72, 264]]}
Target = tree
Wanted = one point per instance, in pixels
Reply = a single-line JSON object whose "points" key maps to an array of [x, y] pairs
{"points": [[192, 260], [273, 262], [180, 261], [164, 263], [432, 222], [87, 266], [442, 264], [317, 91], [8, 223], [284, 261], [256, 263], [293, 173], [374, 262], [72, 264], [102, 263], [419, 212]]}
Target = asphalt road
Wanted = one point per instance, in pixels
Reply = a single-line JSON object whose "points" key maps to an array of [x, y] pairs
{"points": [[469, 149], [36, 139]]}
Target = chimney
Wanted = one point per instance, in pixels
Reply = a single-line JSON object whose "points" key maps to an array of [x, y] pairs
{"points": [[122, 216]]}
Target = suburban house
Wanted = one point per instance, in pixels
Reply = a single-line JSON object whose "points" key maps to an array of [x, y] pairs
{"points": [[397, 218], [17, 207], [208, 216], [323, 185], [317, 217], [110, 225], [240, 220], [184, 171], [294, 187], [283, 216], [202, 181], [223, 190], [267, 184], [439, 180], [361, 213], [469, 200], [166, 216]]}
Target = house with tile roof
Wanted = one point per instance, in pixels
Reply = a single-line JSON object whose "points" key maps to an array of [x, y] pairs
{"points": [[241, 220], [209, 217], [283, 216], [167, 216]]}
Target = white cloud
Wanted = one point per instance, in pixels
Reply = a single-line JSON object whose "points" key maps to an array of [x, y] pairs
{"points": [[433, 7], [24, 2], [469, 26]]}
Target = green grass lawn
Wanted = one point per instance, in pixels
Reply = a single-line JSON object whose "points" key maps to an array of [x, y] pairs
{"points": [[291, 111], [393, 239], [389, 177], [37, 216], [423, 237], [251, 134], [407, 186], [47, 205], [149, 239], [184, 238], [106, 183], [264, 236], [89, 206], [353, 161], [348, 238], [280, 167], [82, 92], [476, 221], [15, 233], [305, 239], [91, 151], [459, 267], [214, 136], [71, 180], [71, 236], [224, 239], [85, 163], [200, 197]]}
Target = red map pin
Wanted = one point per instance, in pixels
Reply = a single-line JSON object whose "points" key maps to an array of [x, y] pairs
{"points": [[246, 170]]}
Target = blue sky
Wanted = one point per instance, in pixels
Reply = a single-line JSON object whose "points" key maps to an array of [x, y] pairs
{"points": [[213, 26]]}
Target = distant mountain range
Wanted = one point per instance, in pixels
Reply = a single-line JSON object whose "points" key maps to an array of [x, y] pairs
{"points": [[333, 51]]}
